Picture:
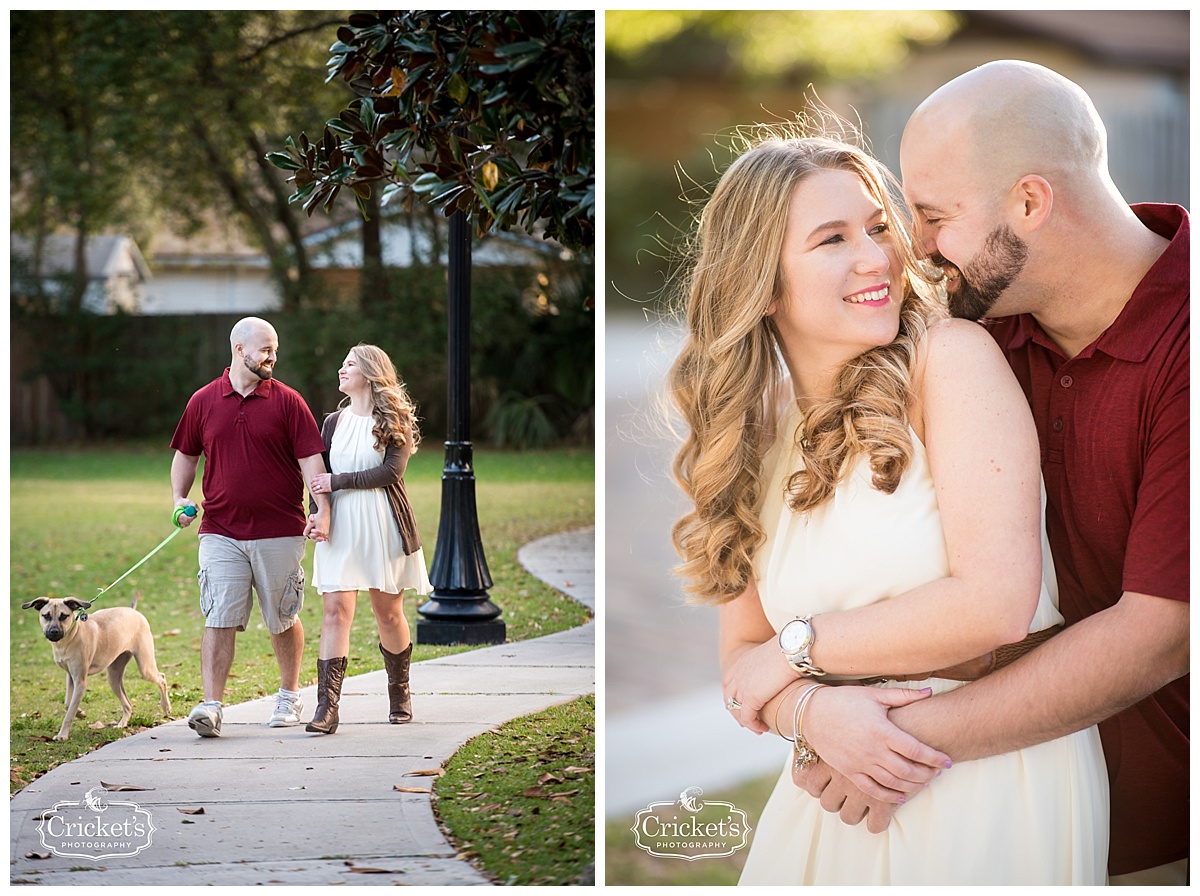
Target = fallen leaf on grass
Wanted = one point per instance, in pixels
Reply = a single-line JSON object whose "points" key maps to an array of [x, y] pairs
{"points": [[199, 811], [576, 770], [97, 726], [410, 789], [120, 787], [548, 777], [170, 634]]}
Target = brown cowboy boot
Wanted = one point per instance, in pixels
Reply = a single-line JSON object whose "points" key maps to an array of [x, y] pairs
{"points": [[330, 674], [400, 700]]}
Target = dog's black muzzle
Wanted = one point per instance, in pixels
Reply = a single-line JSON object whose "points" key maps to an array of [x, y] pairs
{"points": [[54, 634]]}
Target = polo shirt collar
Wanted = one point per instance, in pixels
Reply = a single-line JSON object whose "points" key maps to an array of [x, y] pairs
{"points": [[262, 390], [1153, 304]]}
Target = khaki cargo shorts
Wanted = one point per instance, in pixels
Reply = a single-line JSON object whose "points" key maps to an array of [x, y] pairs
{"points": [[229, 569]]}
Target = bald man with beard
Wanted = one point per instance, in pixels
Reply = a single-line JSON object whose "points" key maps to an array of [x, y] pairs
{"points": [[261, 446], [1007, 170]]}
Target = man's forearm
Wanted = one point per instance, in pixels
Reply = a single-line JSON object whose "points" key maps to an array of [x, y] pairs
{"points": [[1089, 672], [310, 467], [183, 474]]}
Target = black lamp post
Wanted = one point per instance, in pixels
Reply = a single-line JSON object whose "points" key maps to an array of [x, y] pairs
{"points": [[459, 611]]}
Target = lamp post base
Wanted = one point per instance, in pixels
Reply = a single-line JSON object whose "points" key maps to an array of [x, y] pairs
{"points": [[441, 631]]}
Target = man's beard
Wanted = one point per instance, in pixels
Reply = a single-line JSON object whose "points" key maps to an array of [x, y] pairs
{"points": [[988, 275], [257, 369]]}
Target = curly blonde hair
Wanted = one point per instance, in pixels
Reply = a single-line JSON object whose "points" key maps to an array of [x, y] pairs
{"points": [[729, 370], [395, 413]]}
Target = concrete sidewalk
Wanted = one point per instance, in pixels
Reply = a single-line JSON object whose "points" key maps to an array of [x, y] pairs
{"points": [[282, 806]]}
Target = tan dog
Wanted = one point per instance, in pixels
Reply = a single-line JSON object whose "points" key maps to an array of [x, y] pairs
{"points": [[87, 643]]}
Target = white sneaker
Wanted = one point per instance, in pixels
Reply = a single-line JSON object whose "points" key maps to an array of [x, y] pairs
{"points": [[205, 719], [287, 711]]}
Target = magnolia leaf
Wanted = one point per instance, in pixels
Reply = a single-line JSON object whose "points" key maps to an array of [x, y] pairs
{"points": [[399, 79], [491, 175]]}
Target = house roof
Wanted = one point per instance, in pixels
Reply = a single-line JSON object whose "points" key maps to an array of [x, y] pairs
{"points": [[404, 239], [105, 256]]}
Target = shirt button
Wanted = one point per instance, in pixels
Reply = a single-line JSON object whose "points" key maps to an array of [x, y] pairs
{"points": [[1058, 425], [1067, 382]]}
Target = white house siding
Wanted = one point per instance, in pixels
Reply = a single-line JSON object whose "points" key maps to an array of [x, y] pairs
{"points": [[225, 290]]}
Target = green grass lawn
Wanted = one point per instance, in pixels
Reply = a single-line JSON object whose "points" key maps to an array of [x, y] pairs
{"points": [[79, 519], [518, 801]]}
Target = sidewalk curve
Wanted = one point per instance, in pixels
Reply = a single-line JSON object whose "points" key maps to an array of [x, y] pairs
{"points": [[282, 806]]}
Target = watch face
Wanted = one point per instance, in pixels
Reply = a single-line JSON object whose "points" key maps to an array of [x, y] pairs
{"points": [[796, 636]]}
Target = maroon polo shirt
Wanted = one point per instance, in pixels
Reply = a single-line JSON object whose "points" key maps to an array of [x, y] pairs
{"points": [[1113, 428], [253, 487]]}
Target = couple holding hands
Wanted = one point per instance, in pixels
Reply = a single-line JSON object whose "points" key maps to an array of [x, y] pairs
{"points": [[261, 445]]}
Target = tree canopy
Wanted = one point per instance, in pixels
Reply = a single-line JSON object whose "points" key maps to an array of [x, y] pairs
{"points": [[488, 113], [124, 120]]}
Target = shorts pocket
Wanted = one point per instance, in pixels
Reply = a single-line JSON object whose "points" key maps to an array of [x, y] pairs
{"points": [[292, 599], [207, 599]]}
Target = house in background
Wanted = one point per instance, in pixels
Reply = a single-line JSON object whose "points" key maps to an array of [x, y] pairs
{"points": [[214, 277], [117, 274], [198, 277]]}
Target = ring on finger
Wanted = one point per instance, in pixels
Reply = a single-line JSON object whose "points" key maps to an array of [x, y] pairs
{"points": [[732, 704]]}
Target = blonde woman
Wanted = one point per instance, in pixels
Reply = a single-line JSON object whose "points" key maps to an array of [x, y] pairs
{"points": [[373, 542], [866, 498]]}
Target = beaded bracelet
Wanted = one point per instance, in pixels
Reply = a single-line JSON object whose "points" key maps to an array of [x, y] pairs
{"points": [[805, 754]]}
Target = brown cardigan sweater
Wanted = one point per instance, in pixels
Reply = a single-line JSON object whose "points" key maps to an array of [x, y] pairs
{"points": [[388, 476]]}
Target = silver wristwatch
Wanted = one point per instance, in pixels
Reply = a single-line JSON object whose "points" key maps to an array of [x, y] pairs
{"points": [[796, 640]]}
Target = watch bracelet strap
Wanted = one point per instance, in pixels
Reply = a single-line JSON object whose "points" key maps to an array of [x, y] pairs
{"points": [[972, 670]]}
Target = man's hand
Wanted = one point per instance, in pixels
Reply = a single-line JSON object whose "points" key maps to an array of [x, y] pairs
{"points": [[849, 728], [318, 526], [837, 794], [184, 520]]}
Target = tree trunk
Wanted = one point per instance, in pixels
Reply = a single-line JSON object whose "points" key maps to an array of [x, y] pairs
{"points": [[374, 290], [277, 256]]}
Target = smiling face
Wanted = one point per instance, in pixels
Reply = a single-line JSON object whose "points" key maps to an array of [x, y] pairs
{"points": [[960, 224], [842, 280], [260, 352], [351, 380]]}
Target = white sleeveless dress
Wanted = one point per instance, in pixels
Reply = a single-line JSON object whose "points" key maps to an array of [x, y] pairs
{"points": [[364, 549], [1034, 816]]}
